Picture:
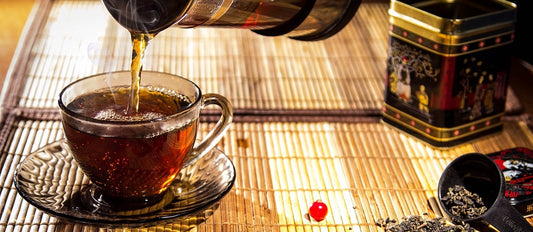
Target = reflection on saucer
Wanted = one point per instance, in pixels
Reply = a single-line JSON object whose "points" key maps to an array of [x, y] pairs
{"points": [[51, 180]]}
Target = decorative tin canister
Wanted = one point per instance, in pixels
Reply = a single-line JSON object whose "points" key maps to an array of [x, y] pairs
{"points": [[447, 68]]}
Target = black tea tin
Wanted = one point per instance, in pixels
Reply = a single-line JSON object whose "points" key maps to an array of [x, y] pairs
{"points": [[447, 68]]}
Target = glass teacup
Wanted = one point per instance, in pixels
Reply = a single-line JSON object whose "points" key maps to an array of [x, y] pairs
{"points": [[132, 158]]}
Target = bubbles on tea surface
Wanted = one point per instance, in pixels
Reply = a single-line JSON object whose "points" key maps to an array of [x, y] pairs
{"points": [[171, 93], [112, 115]]}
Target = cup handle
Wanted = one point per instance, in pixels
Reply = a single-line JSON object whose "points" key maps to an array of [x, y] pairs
{"points": [[214, 136]]}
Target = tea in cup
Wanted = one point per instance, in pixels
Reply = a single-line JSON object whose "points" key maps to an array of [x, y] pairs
{"points": [[132, 157]]}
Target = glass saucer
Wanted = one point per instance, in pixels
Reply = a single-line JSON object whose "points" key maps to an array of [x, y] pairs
{"points": [[51, 180]]}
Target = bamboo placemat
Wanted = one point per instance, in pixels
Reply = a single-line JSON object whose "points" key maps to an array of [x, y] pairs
{"points": [[307, 124], [362, 171]]}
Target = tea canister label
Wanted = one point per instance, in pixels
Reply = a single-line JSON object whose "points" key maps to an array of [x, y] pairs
{"points": [[446, 91], [516, 165]]}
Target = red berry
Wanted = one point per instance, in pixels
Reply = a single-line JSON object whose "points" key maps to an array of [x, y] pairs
{"points": [[318, 210]]}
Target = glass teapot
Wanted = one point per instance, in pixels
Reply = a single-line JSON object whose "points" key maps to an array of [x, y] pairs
{"points": [[306, 20]]}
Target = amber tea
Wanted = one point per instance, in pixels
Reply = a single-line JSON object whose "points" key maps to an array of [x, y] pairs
{"points": [[139, 162]]}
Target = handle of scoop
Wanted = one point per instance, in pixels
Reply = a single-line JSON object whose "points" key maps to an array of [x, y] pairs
{"points": [[504, 217]]}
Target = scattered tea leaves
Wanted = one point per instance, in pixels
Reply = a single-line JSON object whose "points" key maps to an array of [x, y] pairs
{"points": [[462, 203], [421, 224]]}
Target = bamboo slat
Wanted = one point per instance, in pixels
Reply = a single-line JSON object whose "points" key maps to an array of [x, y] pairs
{"points": [[362, 171]]}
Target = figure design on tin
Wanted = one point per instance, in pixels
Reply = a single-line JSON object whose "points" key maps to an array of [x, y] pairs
{"points": [[411, 75], [423, 99], [488, 101], [478, 97], [477, 100], [403, 85], [466, 90]]}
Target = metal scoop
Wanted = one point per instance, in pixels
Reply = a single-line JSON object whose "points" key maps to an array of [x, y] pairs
{"points": [[479, 174]]}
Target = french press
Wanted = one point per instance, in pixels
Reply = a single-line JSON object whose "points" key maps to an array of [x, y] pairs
{"points": [[306, 20]]}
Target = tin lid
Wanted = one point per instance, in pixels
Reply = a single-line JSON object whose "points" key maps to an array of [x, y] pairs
{"points": [[516, 165], [455, 16]]}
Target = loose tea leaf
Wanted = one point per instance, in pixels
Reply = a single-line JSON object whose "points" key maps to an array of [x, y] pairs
{"points": [[421, 224], [462, 203]]}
